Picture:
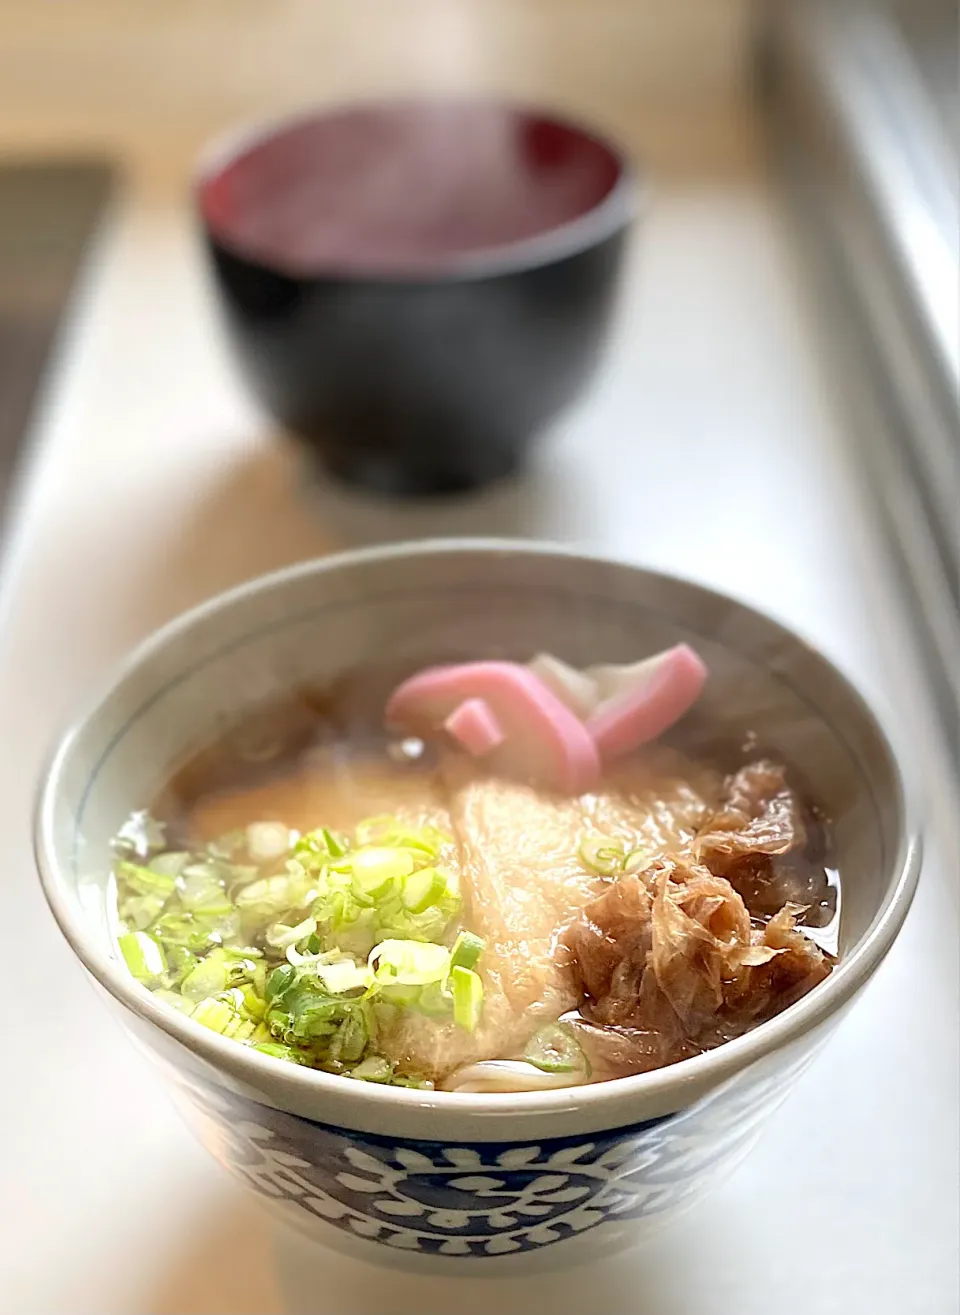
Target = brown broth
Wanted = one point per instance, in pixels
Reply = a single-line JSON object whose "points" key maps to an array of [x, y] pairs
{"points": [[320, 759]]}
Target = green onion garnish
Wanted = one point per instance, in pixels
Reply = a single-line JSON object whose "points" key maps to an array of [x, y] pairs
{"points": [[554, 1049], [210, 977], [220, 1015], [409, 963], [422, 889], [602, 854], [170, 864], [281, 937], [344, 976], [143, 956], [467, 991], [145, 880], [467, 949], [376, 872], [305, 948], [373, 1069], [336, 847], [279, 1051], [279, 982]]}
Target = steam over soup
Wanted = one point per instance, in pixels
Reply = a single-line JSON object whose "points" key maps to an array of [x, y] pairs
{"points": [[504, 882]]}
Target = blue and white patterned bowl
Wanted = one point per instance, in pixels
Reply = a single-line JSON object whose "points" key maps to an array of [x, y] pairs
{"points": [[483, 1182]]}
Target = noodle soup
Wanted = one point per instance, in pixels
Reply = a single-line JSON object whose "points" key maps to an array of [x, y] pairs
{"points": [[499, 877]]}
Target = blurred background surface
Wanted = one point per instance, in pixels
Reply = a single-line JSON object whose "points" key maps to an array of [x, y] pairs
{"points": [[157, 79], [776, 416]]}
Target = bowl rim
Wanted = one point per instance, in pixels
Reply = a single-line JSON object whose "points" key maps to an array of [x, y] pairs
{"points": [[667, 1089], [615, 211]]}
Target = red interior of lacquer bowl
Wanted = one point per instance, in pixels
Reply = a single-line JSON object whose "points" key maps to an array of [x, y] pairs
{"points": [[403, 187]]}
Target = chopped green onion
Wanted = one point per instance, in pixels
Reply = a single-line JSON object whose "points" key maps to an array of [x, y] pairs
{"points": [[554, 1049], [170, 864], [344, 976], [202, 891], [243, 952], [313, 1015], [252, 1002], [377, 893], [279, 1051], [208, 978], [336, 848], [186, 931], [239, 1028], [143, 956], [309, 955], [602, 854], [216, 1014], [279, 982], [270, 896], [373, 1069], [377, 830], [389, 830], [409, 963], [180, 962], [423, 888], [375, 871], [404, 996], [280, 936], [139, 911], [319, 846], [351, 1039], [467, 990], [467, 949], [238, 875], [144, 880], [176, 1000], [228, 846], [402, 1080], [434, 999], [638, 860]]}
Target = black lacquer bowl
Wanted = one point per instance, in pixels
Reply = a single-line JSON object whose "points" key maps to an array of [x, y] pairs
{"points": [[416, 288]]}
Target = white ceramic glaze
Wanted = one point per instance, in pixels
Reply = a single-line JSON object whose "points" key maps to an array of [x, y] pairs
{"points": [[435, 1179]]}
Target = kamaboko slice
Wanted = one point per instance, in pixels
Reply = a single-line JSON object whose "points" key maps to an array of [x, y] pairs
{"points": [[473, 725], [545, 742], [574, 688], [649, 697]]}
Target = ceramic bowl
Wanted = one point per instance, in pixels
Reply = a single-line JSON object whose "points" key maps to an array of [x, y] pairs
{"points": [[485, 1182], [420, 346]]}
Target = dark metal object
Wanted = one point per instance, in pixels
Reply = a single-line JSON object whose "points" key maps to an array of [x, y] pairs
{"points": [[48, 212], [864, 122]]}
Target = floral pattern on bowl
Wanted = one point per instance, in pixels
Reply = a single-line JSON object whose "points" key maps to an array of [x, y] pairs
{"points": [[485, 1198]]}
